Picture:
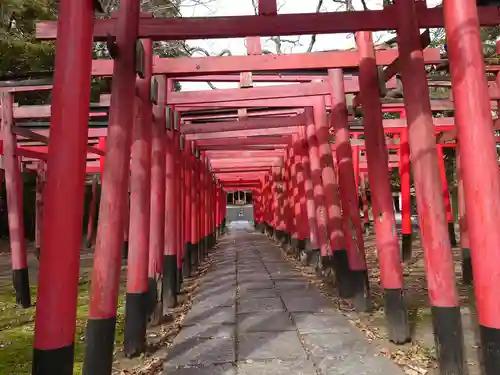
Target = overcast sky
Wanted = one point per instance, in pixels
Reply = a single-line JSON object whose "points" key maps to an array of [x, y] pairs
{"points": [[215, 8]]}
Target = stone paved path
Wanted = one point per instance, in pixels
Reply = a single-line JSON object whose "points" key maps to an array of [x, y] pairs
{"points": [[255, 315]]}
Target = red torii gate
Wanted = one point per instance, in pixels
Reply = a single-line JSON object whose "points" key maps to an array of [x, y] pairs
{"points": [[304, 146]]}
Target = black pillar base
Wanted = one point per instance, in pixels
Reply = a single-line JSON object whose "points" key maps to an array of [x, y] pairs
{"points": [[195, 248], [186, 262], [314, 258], [490, 347], [56, 361], [180, 280], [396, 314], [125, 250], [449, 339], [360, 286], [367, 229], [135, 324], [301, 245], [342, 273], [169, 288], [154, 302], [326, 267], [451, 231], [467, 277], [406, 246], [99, 347], [21, 283]]}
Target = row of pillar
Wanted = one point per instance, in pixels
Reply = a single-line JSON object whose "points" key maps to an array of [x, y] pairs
{"points": [[177, 208], [332, 229]]}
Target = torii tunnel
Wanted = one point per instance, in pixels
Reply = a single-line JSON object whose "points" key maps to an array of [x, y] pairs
{"points": [[309, 153]]}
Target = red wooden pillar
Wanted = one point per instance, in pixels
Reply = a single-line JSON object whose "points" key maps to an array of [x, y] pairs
{"points": [[156, 275], [217, 209], [140, 211], [171, 217], [55, 320], [324, 249], [462, 219], [180, 207], [313, 243], [291, 232], [446, 196], [40, 185], [338, 242], [107, 265], [479, 166], [358, 286], [404, 180], [391, 272], [299, 192], [191, 255], [13, 184], [92, 208], [204, 205], [440, 271], [188, 179]]}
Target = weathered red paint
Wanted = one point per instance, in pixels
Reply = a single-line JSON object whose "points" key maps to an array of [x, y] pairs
{"points": [[170, 237], [404, 178], [480, 174], [13, 182], [346, 174], [140, 184], [329, 179], [425, 165], [391, 273], [55, 320], [114, 197]]}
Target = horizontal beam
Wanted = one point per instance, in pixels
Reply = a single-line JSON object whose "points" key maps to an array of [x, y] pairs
{"points": [[269, 62], [243, 133], [284, 24], [239, 170], [247, 124], [253, 93], [189, 66], [245, 141], [26, 133]]}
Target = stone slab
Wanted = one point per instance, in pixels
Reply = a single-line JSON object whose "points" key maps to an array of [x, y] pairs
{"points": [[308, 304], [260, 305], [270, 345], [265, 322], [201, 352], [205, 331], [259, 293], [321, 323], [277, 367], [206, 370], [209, 316]]}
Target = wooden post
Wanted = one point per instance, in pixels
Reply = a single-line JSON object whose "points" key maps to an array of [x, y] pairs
{"points": [[391, 272], [13, 184], [479, 167], [55, 321], [100, 333], [358, 274]]}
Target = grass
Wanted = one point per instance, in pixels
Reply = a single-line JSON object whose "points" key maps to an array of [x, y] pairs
{"points": [[17, 329]]}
